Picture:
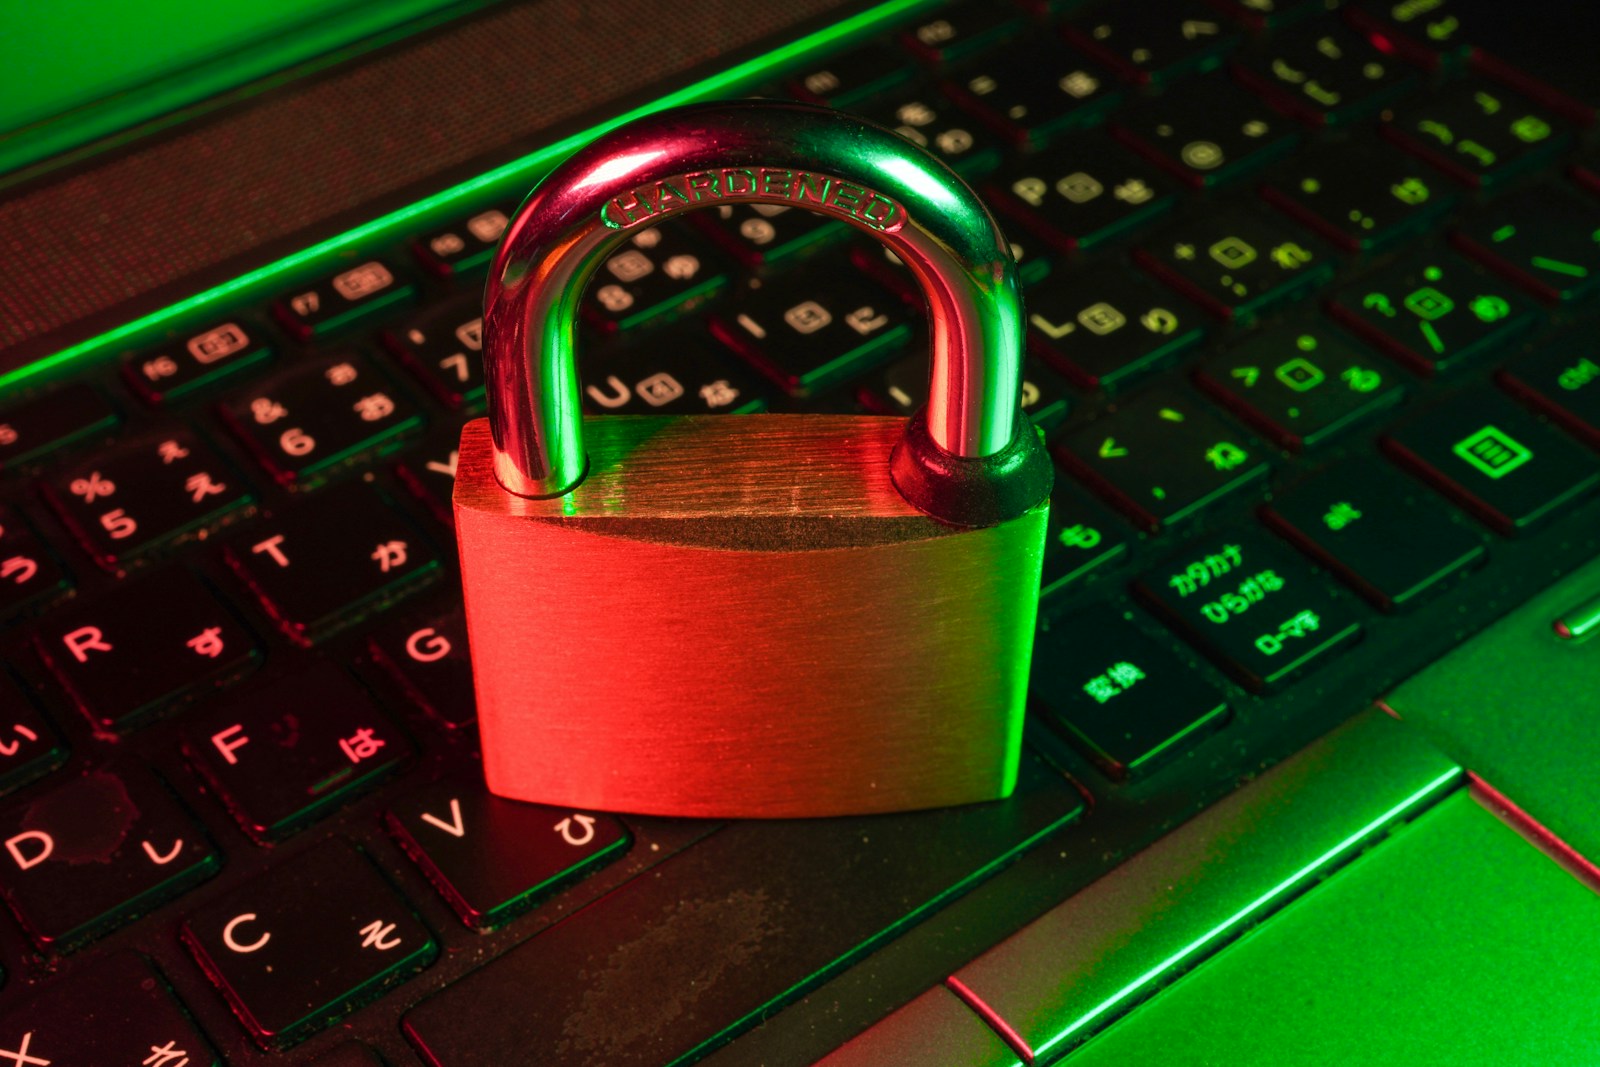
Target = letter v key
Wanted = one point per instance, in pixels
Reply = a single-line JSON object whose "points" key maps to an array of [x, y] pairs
{"points": [[456, 827]]}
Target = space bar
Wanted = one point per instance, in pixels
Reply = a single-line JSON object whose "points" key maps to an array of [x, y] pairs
{"points": [[694, 951]]}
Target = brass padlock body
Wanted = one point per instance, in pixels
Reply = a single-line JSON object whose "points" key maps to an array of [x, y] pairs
{"points": [[742, 614]]}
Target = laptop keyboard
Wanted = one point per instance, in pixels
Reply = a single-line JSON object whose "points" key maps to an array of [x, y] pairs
{"points": [[1305, 298]]}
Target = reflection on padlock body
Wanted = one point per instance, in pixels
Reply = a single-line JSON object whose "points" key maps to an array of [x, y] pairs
{"points": [[754, 615], [795, 639]]}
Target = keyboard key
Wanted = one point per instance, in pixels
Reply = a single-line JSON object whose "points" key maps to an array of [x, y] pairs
{"points": [[147, 495], [1376, 532], [1154, 40], [114, 1010], [323, 562], [1476, 132], [853, 75], [358, 294], [663, 272], [1431, 35], [824, 325], [1125, 700], [903, 388], [960, 30], [443, 345], [282, 756], [1300, 384], [464, 247], [29, 747], [682, 370], [793, 900], [429, 470], [1433, 311], [1254, 608], [1083, 191], [1561, 377], [1083, 539], [96, 853], [30, 574], [923, 115], [1209, 133], [321, 414], [197, 362], [307, 942], [1162, 457], [1325, 74], [1546, 238], [430, 659], [1237, 263], [66, 416], [144, 647], [1361, 196], [1108, 327], [350, 1054], [1028, 91], [1497, 461], [493, 859], [764, 235]]}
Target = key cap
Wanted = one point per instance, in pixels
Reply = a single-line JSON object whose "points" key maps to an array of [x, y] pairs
{"points": [[1325, 74], [309, 941], [1210, 133], [1153, 40], [29, 748], [97, 852], [1083, 191], [922, 114], [30, 575], [1162, 457], [1300, 383], [682, 370], [1431, 35], [144, 647], [1083, 539], [1361, 196], [194, 363], [320, 415], [430, 659], [322, 563], [358, 294], [1257, 611], [1545, 238], [764, 235], [1126, 701], [493, 859], [903, 388], [1376, 532], [1561, 377], [1433, 311], [1507, 468], [114, 1010], [429, 470], [959, 30], [665, 271], [1476, 132], [350, 1054], [797, 898], [67, 416], [147, 495], [442, 346], [465, 246], [848, 77], [1030, 91], [1108, 327], [282, 756], [1237, 263], [823, 326]]}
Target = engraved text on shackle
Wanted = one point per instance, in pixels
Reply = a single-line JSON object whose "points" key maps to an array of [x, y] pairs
{"points": [[819, 192]]}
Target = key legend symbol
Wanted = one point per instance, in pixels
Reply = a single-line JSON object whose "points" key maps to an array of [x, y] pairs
{"points": [[1493, 452]]}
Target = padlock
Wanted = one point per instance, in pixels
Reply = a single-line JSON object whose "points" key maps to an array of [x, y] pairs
{"points": [[761, 615]]}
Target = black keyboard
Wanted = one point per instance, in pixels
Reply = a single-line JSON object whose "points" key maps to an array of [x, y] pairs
{"points": [[1310, 337]]}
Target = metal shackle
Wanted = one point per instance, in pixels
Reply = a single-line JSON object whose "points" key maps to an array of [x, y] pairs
{"points": [[969, 456]]}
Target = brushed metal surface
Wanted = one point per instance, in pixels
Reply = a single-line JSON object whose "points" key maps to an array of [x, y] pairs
{"points": [[739, 616]]}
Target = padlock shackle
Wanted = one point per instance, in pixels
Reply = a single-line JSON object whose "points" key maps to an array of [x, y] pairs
{"points": [[796, 155]]}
